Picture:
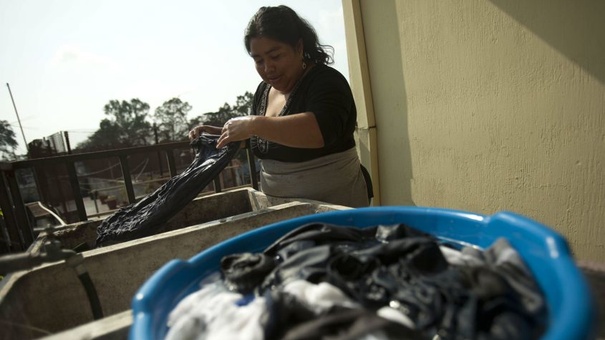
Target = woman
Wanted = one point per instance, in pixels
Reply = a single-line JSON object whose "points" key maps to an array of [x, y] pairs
{"points": [[303, 115]]}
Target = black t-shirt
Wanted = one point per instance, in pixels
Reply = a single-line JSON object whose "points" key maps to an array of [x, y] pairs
{"points": [[326, 93]]}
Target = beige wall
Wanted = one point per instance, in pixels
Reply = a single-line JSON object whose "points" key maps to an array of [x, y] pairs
{"points": [[486, 105]]}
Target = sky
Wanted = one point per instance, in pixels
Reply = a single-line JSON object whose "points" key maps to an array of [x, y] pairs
{"points": [[65, 59]]}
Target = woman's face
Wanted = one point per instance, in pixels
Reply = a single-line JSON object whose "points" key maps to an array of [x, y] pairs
{"points": [[279, 64]]}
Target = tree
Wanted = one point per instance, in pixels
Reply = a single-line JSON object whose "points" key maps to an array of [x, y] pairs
{"points": [[243, 104], [126, 127], [130, 118], [106, 137], [242, 107], [8, 143], [196, 121], [172, 118]]}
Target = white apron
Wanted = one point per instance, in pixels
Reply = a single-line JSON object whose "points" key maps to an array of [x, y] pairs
{"points": [[335, 179]]}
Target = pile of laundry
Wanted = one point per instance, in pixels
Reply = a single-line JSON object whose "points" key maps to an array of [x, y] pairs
{"points": [[323, 281]]}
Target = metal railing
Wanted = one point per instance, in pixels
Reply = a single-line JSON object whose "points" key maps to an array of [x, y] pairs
{"points": [[17, 231]]}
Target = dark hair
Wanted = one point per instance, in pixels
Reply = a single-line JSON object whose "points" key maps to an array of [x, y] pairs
{"points": [[281, 23]]}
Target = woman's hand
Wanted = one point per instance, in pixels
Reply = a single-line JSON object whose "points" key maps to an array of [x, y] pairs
{"points": [[235, 129], [298, 130], [198, 130]]}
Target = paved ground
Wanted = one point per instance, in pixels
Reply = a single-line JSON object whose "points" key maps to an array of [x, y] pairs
{"points": [[95, 207]]}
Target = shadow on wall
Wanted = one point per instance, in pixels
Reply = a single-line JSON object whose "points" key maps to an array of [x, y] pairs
{"points": [[574, 28], [390, 103]]}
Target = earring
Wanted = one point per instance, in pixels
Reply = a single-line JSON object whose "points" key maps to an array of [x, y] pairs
{"points": [[304, 65]]}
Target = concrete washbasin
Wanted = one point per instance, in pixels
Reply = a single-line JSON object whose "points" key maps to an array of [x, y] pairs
{"points": [[50, 301]]}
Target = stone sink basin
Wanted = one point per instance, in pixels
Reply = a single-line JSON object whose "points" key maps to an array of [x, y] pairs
{"points": [[50, 301]]}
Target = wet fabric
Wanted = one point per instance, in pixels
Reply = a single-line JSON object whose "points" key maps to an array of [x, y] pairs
{"points": [[232, 316], [243, 272], [146, 217], [312, 311], [336, 324], [404, 269]]}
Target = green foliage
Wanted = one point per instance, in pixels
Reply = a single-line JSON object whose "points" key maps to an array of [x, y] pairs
{"points": [[130, 119], [8, 143], [242, 107], [127, 123], [172, 120], [126, 127], [196, 121]]}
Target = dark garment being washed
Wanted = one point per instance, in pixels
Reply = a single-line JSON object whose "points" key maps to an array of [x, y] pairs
{"points": [[147, 216], [404, 269]]}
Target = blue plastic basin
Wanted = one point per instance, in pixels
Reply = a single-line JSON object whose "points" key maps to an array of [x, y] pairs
{"points": [[571, 309]]}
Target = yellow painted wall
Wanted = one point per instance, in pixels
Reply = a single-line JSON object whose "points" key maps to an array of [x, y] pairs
{"points": [[487, 105]]}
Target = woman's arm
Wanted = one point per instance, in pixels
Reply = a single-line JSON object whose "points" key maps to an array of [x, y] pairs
{"points": [[298, 130]]}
